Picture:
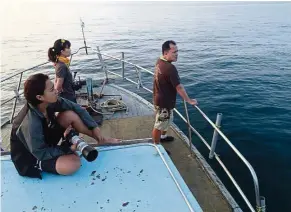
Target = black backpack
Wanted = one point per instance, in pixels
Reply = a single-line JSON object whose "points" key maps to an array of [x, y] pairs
{"points": [[24, 162]]}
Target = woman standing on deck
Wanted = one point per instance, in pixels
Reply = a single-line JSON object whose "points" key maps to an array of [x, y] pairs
{"points": [[64, 82]]}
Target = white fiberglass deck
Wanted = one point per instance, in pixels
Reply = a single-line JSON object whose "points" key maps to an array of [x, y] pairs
{"points": [[123, 178]]}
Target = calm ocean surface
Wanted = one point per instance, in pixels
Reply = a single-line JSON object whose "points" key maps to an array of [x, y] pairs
{"points": [[235, 58]]}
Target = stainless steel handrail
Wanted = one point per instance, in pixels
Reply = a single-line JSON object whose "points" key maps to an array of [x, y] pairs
{"points": [[37, 66], [21, 72], [253, 173], [122, 60], [20, 80], [260, 205]]}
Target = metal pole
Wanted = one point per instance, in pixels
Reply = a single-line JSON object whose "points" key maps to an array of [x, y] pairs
{"points": [[138, 72], [215, 135], [122, 64], [262, 208], [17, 97], [89, 85], [102, 63], [189, 128], [82, 26], [140, 77]]}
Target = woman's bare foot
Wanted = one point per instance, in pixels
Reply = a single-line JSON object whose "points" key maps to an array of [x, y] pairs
{"points": [[113, 140], [110, 141]]}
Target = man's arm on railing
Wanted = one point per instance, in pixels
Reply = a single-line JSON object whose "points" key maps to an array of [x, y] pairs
{"points": [[182, 92]]}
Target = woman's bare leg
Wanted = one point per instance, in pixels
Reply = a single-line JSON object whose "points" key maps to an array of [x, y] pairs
{"points": [[68, 118], [68, 164]]}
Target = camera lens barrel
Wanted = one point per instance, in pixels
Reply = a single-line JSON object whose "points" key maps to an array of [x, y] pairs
{"points": [[89, 152]]}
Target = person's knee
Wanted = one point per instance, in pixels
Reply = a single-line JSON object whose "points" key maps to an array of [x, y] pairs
{"points": [[68, 165], [66, 118], [74, 164], [67, 114]]}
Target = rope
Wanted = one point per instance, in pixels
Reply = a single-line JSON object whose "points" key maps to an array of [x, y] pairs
{"points": [[114, 105], [92, 107]]}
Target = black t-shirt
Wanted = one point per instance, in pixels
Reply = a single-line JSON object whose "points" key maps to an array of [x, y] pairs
{"points": [[166, 79], [62, 71]]}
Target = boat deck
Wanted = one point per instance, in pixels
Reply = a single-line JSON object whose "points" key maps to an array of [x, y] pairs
{"points": [[137, 123], [122, 178]]}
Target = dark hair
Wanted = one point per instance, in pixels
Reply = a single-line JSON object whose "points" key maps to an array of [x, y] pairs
{"points": [[55, 51], [166, 45], [33, 86]]}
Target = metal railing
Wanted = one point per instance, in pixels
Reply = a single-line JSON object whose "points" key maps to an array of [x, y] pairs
{"points": [[260, 201], [16, 97]]}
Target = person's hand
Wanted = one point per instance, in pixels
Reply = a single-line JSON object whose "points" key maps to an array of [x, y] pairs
{"points": [[192, 102], [67, 131], [74, 147], [85, 107]]}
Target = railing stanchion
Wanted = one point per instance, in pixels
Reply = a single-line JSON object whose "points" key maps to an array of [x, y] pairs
{"points": [[103, 66], [189, 127], [215, 135], [122, 64], [17, 98], [262, 208], [139, 82]]}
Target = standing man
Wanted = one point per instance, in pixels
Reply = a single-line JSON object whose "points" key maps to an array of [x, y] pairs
{"points": [[166, 85]]}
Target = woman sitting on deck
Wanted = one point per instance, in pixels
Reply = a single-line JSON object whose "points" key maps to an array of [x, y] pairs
{"points": [[36, 130]]}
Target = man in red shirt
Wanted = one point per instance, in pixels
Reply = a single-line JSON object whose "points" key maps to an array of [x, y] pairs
{"points": [[166, 86]]}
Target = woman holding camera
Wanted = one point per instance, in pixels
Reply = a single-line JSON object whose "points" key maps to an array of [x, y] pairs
{"points": [[36, 131], [64, 82]]}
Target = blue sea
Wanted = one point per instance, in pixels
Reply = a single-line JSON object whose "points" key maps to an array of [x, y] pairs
{"points": [[234, 58]]}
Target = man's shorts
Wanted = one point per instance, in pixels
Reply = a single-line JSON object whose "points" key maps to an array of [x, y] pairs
{"points": [[164, 118]]}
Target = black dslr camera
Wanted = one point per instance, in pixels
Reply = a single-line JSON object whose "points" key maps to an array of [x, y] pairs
{"points": [[78, 84]]}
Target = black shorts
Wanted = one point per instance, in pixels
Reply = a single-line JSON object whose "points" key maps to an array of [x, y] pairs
{"points": [[48, 165], [54, 134]]}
